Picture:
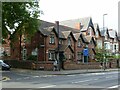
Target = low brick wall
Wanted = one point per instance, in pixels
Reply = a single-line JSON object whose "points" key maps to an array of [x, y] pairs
{"points": [[44, 65], [20, 64], [74, 65], [68, 65]]}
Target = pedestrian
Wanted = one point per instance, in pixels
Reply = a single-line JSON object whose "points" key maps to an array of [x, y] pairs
{"points": [[55, 65]]}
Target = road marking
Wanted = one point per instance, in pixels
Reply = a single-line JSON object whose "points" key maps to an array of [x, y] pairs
{"points": [[96, 79], [35, 76], [97, 73], [71, 75], [5, 78], [26, 78], [48, 86], [114, 86], [19, 79], [81, 81]]}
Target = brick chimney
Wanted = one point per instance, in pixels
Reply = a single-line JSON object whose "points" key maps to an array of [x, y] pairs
{"points": [[57, 26], [78, 26]]}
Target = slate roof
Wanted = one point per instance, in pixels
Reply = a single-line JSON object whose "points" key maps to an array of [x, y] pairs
{"points": [[46, 27], [89, 38], [76, 35], [66, 33], [84, 39], [102, 32], [96, 27], [85, 22], [112, 33]]}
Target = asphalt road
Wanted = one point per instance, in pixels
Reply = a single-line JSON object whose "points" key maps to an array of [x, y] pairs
{"points": [[31, 81]]}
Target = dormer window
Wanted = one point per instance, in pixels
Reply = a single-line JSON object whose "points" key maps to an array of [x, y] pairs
{"points": [[52, 39], [69, 40]]}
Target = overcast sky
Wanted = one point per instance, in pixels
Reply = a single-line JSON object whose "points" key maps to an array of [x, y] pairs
{"points": [[72, 9]]}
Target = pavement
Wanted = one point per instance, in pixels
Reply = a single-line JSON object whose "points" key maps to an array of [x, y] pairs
{"points": [[64, 72]]}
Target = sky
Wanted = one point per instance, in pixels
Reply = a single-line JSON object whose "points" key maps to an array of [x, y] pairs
{"points": [[60, 10]]}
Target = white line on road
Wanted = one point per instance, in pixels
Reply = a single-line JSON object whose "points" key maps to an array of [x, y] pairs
{"points": [[96, 79], [48, 86], [71, 75], [114, 86], [81, 81]]}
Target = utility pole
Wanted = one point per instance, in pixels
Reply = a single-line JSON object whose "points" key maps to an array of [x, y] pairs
{"points": [[104, 61]]}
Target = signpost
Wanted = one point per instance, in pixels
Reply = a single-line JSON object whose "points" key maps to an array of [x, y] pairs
{"points": [[86, 53]]}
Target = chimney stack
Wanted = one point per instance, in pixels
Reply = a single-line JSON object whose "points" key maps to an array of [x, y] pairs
{"points": [[57, 27]]}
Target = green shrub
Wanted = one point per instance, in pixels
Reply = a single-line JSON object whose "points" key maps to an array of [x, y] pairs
{"points": [[32, 57]]}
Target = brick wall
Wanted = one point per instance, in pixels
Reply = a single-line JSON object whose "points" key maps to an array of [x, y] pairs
{"points": [[73, 65]]}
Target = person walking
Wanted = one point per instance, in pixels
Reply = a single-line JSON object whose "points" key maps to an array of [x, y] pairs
{"points": [[55, 65]]}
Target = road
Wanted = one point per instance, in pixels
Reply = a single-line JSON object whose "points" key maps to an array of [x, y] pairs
{"points": [[27, 80]]}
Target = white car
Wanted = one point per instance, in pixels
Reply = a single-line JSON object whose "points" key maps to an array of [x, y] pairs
{"points": [[4, 66]]}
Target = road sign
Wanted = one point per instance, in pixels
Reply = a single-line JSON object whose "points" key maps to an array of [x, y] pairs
{"points": [[85, 52]]}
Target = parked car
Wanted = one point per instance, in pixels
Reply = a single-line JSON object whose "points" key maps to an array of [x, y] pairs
{"points": [[4, 66]]}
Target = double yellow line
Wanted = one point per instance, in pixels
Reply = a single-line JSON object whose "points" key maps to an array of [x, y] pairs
{"points": [[5, 78]]}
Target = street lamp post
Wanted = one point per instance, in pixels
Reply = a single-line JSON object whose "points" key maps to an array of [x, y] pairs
{"points": [[103, 20], [104, 61]]}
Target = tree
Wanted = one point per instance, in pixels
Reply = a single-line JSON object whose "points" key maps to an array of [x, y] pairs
{"points": [[103, 56], [21, 18]]}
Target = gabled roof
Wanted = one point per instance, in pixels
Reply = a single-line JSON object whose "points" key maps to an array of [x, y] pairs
{"points": [[46, 31], [76, 35], [64, 47], [89, 38], [96, 28], [84, 39], [85, 23], [112, 33], [66, 33], [103, 32]]}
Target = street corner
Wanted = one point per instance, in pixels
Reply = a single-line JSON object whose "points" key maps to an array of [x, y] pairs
{"points": [[5, 78]]}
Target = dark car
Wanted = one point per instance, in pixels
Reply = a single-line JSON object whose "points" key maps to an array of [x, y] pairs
{"points": [[4, 66]]}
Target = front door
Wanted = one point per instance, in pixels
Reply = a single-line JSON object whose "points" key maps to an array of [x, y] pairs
{"points": [[61, 57]]}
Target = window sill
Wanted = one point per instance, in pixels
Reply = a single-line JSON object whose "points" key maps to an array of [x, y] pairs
{"points": [[52, 43]]}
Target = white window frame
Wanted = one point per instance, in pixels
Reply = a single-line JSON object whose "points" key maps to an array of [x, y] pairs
{"points": [[51, 55], [52, 39]]}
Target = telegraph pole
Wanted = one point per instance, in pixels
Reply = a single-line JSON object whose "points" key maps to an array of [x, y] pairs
{"points": [[58, 59]]}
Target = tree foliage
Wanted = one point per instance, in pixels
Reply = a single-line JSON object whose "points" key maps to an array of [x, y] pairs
{"points": [[103, 55], [19, 17]]}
